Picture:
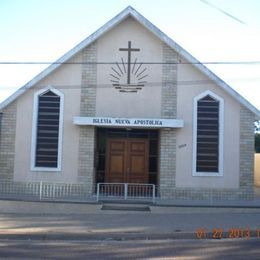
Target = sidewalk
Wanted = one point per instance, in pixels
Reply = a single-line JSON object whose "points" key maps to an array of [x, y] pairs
{"points": [[255, 203], [67, 221]]}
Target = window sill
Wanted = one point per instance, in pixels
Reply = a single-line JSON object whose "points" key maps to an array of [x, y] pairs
{"points": [[45, 169], [207, 174]]}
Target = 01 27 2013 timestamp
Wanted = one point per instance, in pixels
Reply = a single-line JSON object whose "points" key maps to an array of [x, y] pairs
{"points": [[218, 233]]}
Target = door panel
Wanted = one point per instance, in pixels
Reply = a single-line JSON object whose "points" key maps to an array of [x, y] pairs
{"points": [[116, 161], [137, 161], [117, 146], [117, 164], [127, 160], [136, 146]]}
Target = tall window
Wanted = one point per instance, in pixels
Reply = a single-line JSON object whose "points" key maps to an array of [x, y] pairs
{"points": [[208, 135], [47, 130]]}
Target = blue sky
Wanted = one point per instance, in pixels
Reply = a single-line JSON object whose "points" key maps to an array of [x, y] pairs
{"points": [[43, 30]]}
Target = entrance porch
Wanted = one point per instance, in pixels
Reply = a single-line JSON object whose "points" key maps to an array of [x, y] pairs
{"points": [[126, 156]]}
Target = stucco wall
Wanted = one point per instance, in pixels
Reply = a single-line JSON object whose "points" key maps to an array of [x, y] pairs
{"points": [[144, 103], [257, 169], [190, 84], [66, 79]]}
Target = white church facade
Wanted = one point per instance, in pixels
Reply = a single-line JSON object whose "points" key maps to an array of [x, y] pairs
{"points": [[129, 105]]}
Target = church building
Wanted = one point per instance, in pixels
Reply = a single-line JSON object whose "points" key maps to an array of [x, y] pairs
{"points": [[129, 105]]}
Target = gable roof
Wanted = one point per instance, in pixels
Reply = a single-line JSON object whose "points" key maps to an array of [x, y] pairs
{"points": [[130, 11]]}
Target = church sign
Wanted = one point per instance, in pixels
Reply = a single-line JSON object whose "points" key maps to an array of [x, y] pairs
{"points": [[129, 122]]}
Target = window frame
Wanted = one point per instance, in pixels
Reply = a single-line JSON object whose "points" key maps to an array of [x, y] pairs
{"points": [[35, 127], [220, 133]]}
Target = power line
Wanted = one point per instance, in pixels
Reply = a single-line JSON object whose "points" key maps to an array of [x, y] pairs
{"points": [[223, 12], [114, 63], [110, 85]]}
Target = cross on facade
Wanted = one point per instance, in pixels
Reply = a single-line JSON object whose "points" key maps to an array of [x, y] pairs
{"points": [[129, 50]]}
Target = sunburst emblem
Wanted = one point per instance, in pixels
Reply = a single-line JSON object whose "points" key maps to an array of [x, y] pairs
{"points": [[128, 76]]}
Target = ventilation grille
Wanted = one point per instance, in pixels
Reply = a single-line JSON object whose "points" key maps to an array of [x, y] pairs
{"points": [[48, 130], [207, 135]]}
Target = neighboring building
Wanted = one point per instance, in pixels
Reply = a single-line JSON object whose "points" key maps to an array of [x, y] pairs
{"points": [[129, 105]]}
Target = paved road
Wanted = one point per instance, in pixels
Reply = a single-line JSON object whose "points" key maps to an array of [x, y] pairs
{"points": [[156, 249], [65, 231], [165, 222]]}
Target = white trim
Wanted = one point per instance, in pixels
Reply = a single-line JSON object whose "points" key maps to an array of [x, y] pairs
{"points": [[129, 122], [34, 130], [129, 11], [221, 135]]}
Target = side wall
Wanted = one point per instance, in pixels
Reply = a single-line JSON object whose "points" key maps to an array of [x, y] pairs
{"points": [[257, 170], [247, 150], [7, 142]]}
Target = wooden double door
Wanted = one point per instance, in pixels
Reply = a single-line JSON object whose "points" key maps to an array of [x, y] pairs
{"points": [[127, 160]]}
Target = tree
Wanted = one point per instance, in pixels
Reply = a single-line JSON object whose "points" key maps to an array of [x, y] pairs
{"points": [[257, 126], [257, 142]]}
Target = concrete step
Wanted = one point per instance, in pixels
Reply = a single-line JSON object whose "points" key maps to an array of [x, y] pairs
{"points": [[125, 207], [126, 202]]}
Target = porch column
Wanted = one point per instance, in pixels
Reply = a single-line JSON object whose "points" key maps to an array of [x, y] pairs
{"points": [[87, 108], [86, 157], [167, 174]]}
